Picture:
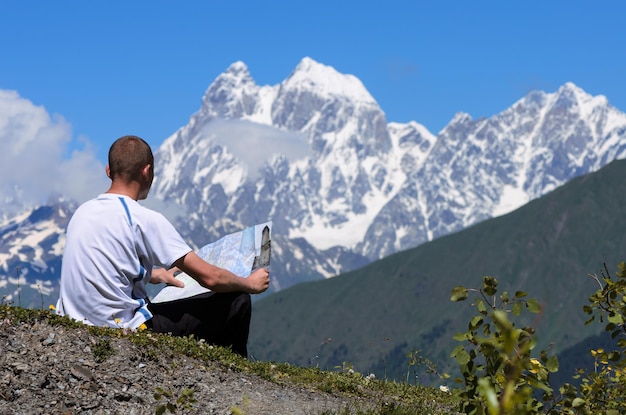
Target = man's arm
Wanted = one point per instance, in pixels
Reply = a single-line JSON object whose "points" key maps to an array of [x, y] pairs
{"points": [[221, 280]]}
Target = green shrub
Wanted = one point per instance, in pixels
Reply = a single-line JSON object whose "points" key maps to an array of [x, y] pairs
{"points": [[500, 375]]}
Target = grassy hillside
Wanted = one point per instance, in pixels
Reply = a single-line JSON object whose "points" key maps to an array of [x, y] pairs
{"points": [[372, 317]]}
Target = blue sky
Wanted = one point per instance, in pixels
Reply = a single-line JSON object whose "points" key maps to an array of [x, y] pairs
{"points": [[110, 68]]}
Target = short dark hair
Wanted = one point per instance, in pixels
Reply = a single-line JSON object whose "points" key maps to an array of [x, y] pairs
{"points": [[128, 155]]}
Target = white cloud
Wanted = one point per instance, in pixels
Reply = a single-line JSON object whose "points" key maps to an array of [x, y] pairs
{"points": [[39, 157], [255, 144]]}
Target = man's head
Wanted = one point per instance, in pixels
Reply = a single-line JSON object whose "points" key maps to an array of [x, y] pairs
{"points": [[131, 160]]}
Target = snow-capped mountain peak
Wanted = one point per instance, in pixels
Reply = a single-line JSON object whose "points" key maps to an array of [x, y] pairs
{"points": [[324, 80], [578, 95], [235, 88], [461, 118], [238, 69]]}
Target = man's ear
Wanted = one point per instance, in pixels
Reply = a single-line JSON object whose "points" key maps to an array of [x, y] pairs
{"points": [[108, 171], [146, 171]]}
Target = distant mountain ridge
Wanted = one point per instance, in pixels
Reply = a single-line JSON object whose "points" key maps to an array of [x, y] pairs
{"points": [[375, 316], [343, 186], [371, 188]]}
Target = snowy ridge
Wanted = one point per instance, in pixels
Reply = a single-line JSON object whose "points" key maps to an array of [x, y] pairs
{"points": [[374, 187], [31, 245], [343, 186]]}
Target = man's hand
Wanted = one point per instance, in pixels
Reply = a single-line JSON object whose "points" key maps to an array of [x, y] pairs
{"points": [[259, 280], [160, 275]]}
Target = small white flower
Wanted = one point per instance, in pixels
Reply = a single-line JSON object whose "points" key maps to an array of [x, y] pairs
{"points": [[444, 388]]}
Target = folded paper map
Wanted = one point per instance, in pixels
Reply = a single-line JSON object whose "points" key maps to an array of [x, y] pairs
{"points": [[240, 253]]}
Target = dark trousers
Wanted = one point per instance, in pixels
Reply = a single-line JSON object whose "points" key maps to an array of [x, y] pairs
{"points": [[221, 319]]}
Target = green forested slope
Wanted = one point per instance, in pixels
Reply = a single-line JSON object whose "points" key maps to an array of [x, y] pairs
{"points": [[372, 317]]}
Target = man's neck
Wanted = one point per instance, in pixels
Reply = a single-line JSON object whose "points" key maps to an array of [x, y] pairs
{"points": [[127, 189]]}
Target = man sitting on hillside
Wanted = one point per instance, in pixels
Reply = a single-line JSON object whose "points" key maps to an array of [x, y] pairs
{"points": [[114, 247]]}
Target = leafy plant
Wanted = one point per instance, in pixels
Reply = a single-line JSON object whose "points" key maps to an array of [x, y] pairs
{"points": [[500, 376], [184, 401], [235, 410], [603, 391], [102, 349], [416, 359]]}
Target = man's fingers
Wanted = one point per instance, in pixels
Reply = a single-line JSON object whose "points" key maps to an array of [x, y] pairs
{"points": [[175, 282]]}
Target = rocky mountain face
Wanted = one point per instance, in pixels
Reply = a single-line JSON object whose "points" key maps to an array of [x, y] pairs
{"points": [[369, 187], [343, 185], [31, 245], [477, 169]]}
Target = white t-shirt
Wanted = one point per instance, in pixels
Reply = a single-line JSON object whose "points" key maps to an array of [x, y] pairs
{"points": [[112, 244]]}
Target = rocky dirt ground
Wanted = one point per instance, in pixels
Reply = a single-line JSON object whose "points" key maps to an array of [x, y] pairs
{"points": [[52, 370]]}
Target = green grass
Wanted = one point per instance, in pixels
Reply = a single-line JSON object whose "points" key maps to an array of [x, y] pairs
{"points": [[387, 397]]}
